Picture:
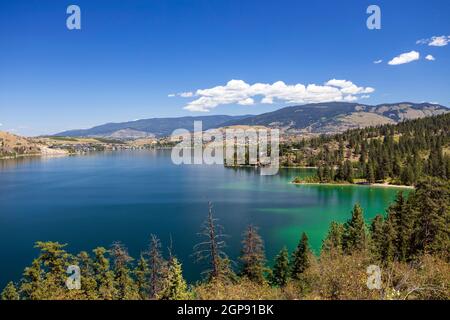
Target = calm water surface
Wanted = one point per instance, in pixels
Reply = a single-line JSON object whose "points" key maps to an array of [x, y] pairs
{"points": [[93, 200]]}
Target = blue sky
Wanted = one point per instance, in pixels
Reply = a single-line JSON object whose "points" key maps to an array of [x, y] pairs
{"points": [[129, 56]]}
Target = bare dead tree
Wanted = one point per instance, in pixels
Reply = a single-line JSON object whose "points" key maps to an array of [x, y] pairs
{"points": [[252, 256], [211, 250], [156, 265], [120, 255]]}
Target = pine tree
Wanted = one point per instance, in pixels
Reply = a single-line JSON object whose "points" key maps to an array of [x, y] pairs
{"points": [[389, 252], [141, 272], [348, 171], [377, 237], [407, 175], [327, 173], [253, 257], [10, 292], [174, 285], [402, 219], [355, 237], [339, 172], [370, 173], [156, 266], [55, 259], [333, 240], [88, 281], [320, 173], [432, 223], [104, 275], [32, 287], [301, 257], [125, 285], [280, 272]]}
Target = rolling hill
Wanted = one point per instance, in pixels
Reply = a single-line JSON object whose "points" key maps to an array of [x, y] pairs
{"points": [[318, 118], [336, 117], [155, 127], [12, 146]]}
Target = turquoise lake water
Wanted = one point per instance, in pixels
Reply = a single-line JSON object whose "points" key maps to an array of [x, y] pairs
{"points": [[93, 200]]}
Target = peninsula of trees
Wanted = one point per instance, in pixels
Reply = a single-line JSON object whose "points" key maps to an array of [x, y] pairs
{"points": [[397, 154]]}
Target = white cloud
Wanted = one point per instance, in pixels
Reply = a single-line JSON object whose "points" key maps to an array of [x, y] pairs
{"points": [[242, 93], [181, 94], [378, 61], [186, 94], [405, 58], [347, 87], [246, 102], [430, 57], [436, 41]]}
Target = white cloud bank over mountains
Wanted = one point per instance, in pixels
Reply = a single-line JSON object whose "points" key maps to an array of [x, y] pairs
{"points": [[406, 57], [242, 93]]}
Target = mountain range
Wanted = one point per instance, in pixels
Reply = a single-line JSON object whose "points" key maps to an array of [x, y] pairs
{"points": [[317, 118]]}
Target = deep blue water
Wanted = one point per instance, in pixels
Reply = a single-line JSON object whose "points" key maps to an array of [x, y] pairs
{"points": [[93, 200]]}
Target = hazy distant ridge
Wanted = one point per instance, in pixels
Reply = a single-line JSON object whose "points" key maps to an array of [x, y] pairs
{"points": [[331, 117], [157, 127]]}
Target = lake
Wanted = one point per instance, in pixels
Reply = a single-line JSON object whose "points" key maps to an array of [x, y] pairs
{"points": [[95, 199]]}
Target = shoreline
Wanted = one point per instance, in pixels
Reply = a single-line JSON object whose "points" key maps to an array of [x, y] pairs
{"points": [[377, 185], [37, 155]]}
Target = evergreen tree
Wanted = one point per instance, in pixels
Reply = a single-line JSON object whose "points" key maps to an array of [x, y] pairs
{"points": [[280, 272], [174, 285], [301, 257], [355, 236], [125, 285], [333, 240], [407, 175], [370, 172], [377, 237], [401, 219], [104, 275], [157, 265], [141, 272], [320, 174], [50, 267], [339, 173], [253, 258], [32, 283], [10, 292], [432, 223], [347, 171], [88, 278], [389, 252], [55, 261]]}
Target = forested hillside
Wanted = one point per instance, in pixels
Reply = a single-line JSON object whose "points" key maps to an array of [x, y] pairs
{"points": [[399, 154]]}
